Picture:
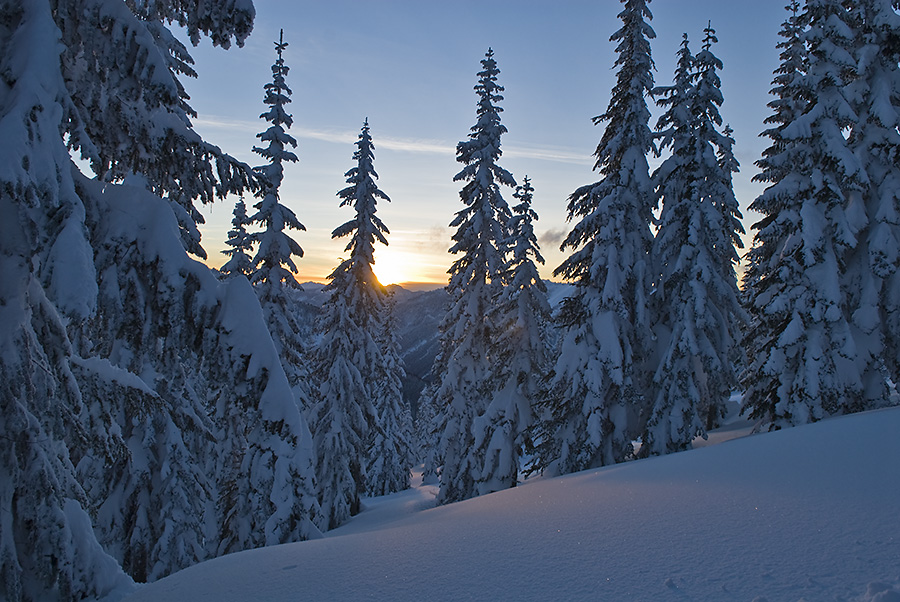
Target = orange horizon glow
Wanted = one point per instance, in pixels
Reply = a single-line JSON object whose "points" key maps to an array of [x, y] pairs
{"points": [[395, 268]]}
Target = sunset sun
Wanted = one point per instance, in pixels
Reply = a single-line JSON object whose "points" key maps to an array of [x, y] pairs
{"points": [[392, 267]]}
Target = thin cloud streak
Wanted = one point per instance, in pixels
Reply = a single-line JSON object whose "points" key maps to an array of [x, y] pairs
{"points": [[416, 146], [557, 155], [226, 124], [409, 145], [332, 136]]}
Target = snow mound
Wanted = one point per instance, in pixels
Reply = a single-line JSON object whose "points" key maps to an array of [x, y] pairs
{"points": [[806, 513]]}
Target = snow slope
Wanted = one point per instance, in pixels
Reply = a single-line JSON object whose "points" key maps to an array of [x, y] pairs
{"points": [[807, 513]]}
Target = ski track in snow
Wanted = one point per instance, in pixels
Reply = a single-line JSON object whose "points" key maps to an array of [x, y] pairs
{"points": [[809, 513]]}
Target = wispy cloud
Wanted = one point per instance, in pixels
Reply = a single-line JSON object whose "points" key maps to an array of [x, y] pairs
{"points": [[241, 125], [407, 145], [553, 237], [413, 145], [333, 136], [220, 123], [549, 153], [417, 146]]}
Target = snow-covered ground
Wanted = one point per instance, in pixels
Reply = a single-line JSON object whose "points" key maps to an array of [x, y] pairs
{"points": [[810, 513]]}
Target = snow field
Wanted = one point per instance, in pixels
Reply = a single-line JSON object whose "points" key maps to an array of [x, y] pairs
{"points": [[808, 513]]}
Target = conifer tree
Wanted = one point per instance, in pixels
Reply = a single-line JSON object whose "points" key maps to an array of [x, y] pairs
{"points": [[120, 347], [870, 278], [42, 409], [464, 384], [390, 455], [804, 364], [519, 355], [599, 375], [696, 300], [240, 510], [272, 264], [107, 303], [264, 458], [350, 362], [239, 243], [241, 521], [788, 105]]}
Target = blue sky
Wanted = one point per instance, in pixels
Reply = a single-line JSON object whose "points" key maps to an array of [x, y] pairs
{"points": [[409, 66]]}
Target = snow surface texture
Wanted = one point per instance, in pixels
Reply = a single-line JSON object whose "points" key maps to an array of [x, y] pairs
{"points": [[805, 513]]}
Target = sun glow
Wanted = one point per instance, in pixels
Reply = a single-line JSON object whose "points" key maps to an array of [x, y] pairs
{"points": [[393, 267], [409, 265]]}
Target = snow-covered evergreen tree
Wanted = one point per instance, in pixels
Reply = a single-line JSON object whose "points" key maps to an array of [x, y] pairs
{"points": [[240, 244], [350, 364], [788, 105], [696, 301], [264, 456], [341, 415], [272, 264], [272, 267], [390, 455], [519, 355], [463, 387], [600, 378], [272, 278], [117, 347], [870, 277], [45, 551], [804, 364]]}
